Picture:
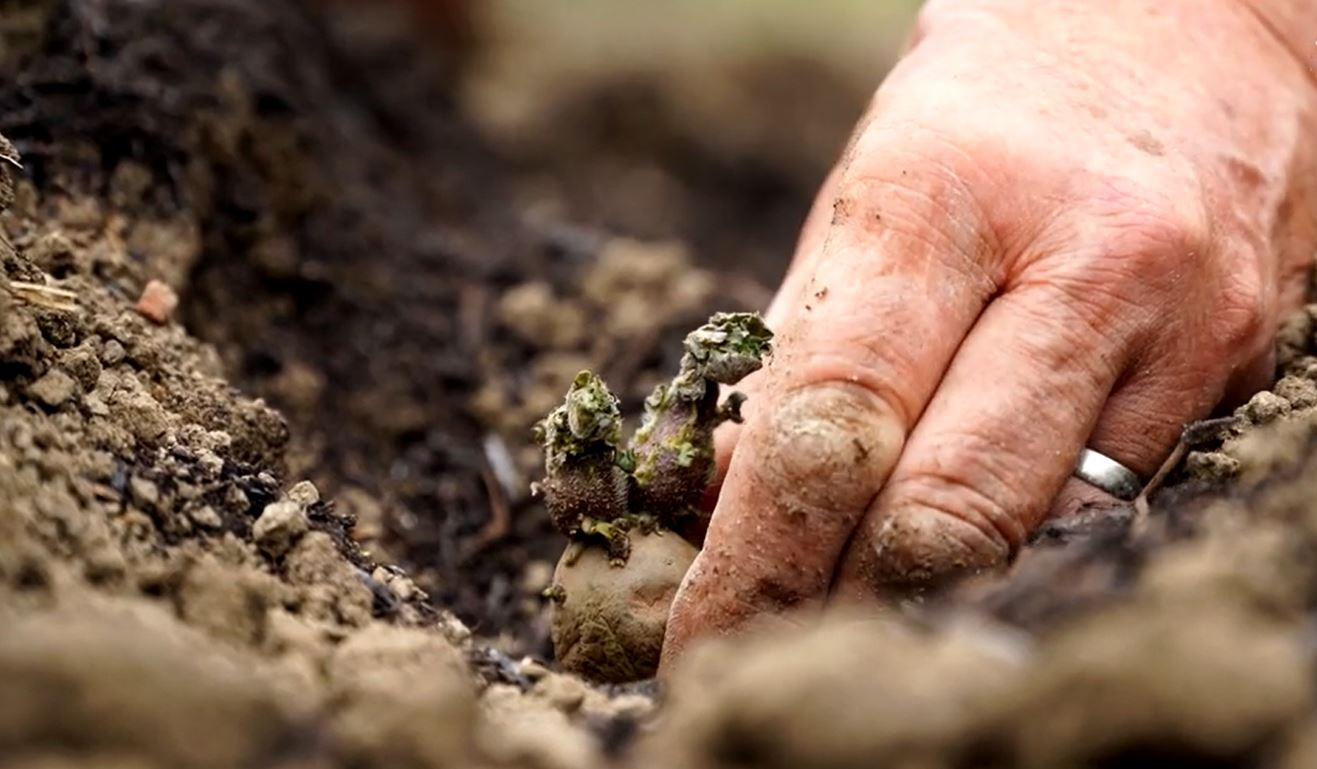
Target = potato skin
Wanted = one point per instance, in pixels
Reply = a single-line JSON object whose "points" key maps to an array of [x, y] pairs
{"points": [[608, 622]]}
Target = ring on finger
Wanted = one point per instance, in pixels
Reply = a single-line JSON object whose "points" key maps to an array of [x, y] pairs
{"points": [[1107, 474]]}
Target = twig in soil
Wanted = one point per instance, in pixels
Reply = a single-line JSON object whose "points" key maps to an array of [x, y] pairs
{"points": [[39, 294], [1141, 506], [500, 517]]}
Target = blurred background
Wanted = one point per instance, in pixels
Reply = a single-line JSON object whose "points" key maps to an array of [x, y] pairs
{"points": [[688, 136], [407, 224], [712, 122], [663, 157]]}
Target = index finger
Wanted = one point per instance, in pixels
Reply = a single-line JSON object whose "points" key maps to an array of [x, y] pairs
{"points": [[891, 295]]}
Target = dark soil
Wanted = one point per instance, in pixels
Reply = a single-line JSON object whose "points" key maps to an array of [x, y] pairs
{"points": [[348, 247]]}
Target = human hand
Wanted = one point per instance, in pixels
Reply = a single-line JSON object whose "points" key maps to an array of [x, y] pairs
{"points": [[1058, 225]]}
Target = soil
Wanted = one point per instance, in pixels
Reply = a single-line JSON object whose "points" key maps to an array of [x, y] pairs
{"points": [[287, 523]]}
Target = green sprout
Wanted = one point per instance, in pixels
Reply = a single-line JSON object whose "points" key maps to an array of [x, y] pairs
{"points": [[580, 440], [674, 446], [597, 490]]}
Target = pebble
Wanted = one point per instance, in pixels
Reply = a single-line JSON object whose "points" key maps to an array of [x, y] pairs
{"points": [[532, 668], [206, 517], [54, 389], [145, 493], [1266, 407], [235, 499], [280, 525], [157, 302], [304, 494], [113, 353], [83, 366], [209, 463], [399, 583]]}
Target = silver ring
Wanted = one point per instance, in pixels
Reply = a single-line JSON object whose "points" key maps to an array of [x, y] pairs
{"points": [[1107, 474]]}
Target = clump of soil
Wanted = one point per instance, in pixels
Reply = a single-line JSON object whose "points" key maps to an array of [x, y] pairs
{"points": [[335, 230], [167, 598]]}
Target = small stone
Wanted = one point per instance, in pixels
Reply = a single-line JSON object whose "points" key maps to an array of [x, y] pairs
{"points": [[452, 628], [113, 353], [54, 389], [1266, 407], [209, 463], [141, 414], [398, 583], [218, 440], [157, 302], [280, 525], [145, 493], [95, 406], [205, 517], [304, 494], [403, 587]]}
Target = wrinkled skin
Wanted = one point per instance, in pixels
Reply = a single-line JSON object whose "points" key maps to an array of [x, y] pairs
{"points": [[1062, 224]]}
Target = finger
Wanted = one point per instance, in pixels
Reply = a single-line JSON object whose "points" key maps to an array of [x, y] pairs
{"points": [[1078, 497], [790, 294], [1143, 419], [853, 369], [997, 442]]}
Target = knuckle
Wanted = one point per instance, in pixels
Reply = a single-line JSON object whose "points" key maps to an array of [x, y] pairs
{"points": [[922, 547], [942, 525], [973, 479], [828, 447], [925, 191], [1146, 233], [1132, 256], [1244, 310]]}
